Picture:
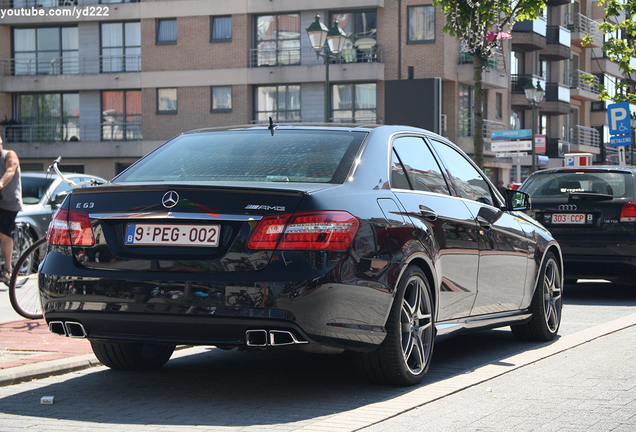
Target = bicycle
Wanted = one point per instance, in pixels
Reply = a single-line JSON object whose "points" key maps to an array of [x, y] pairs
{"points": [[24, 292]]}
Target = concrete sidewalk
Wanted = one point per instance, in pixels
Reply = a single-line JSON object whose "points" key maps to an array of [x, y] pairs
{"points": [[28, 350]]}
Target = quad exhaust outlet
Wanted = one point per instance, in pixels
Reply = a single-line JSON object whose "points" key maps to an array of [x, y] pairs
{"points": [[265, 338]]}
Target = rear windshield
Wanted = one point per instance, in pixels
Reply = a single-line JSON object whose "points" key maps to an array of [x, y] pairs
{"points": [[559, 184], [34, 188], [252, 156]]}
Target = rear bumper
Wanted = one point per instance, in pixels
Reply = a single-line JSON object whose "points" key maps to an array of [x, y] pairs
{"points": [[113, 306], [599, 267]]}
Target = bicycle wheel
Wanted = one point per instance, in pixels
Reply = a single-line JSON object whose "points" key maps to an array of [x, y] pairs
{"points": [[23, 287]]}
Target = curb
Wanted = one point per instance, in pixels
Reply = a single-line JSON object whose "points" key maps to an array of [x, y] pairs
{"points": [[46, 369]]}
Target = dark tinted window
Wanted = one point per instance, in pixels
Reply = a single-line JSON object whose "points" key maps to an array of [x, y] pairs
{"points": [[253, 156], [562, 184], [421, 167], [470, 183], [34, 188]]}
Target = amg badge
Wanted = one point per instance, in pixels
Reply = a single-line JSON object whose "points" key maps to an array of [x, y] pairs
{"points": [[264, 207]]}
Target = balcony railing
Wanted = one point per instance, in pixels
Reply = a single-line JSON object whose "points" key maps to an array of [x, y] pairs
{"points": [[467, 127], [583, 135], [577, 81], [5, 4], [537, 26], [70, 65], [72, 132], [518, 81], [495, 61], [579, 23], [557, 92], [558, 35], [307, 56]]}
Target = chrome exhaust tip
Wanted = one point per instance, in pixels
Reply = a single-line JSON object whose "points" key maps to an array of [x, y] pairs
{"points": [[75, 329], [283, 337], [58, 328], [256, 338]]}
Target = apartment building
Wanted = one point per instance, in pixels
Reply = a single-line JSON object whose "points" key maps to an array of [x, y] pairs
{"points": [[108, 81]]}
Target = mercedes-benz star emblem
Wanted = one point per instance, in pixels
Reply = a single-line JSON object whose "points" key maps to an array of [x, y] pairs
{"points": [[170, 199]]}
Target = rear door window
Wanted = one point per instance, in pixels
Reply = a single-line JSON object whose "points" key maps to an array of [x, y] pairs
{"points": [[414, 166]]}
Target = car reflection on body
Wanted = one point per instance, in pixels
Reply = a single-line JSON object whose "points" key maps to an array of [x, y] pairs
{"points": [[372, 239], [591, 211]]}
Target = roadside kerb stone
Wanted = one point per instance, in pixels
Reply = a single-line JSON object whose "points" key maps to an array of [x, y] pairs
{"points": [[370, 414]]}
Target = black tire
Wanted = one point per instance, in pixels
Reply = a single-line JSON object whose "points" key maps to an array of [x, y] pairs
{"points": [[405, 355], [132, 356], [24, 292], [546, 305]]}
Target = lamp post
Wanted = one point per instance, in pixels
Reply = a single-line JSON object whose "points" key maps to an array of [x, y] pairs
{"points": [[534, 96], [335, 39]]}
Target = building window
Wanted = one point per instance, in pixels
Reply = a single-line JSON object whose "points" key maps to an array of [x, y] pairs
{"points": [[167, 101], [354, 103], [121, 115], [47, 50], [221, 99], [465, 110], [121, 47], [498, 105], [361, 28], [421, 24], [166, 31], [279, 102], [50, 117], [277, 40], [221, 29]]}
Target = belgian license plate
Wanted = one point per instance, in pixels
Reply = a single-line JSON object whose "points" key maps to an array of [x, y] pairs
{"points": [[172, 235], [568, 218]]}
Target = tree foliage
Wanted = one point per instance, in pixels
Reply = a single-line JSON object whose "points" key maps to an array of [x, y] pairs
{"points": [[477, 24], [619, 28]]}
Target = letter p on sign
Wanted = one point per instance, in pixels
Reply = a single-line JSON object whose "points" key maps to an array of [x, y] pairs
{"points": [[618, 116]]}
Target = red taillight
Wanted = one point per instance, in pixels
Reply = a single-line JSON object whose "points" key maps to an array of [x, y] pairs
{"points": [[70, 228], [306, 231], [628, 212]]}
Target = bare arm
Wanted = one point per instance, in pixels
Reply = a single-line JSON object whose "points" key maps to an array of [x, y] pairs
{"points": [[12, 163]]}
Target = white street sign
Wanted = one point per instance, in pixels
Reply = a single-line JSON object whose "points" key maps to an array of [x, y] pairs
{"points": [[508, 155], [503, 146]]}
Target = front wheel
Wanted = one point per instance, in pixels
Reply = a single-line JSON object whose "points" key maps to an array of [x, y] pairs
{"points": [[132, 356], [405, 355], [546, 305], [24, 293]]}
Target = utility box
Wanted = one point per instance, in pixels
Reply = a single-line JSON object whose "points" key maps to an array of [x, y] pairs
{"points": [[577, 159]]}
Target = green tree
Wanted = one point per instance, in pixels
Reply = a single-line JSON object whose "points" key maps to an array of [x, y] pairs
{"points": [[472, 21], [619, 28]]}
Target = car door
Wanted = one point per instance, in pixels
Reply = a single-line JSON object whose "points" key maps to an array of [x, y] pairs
{"points": [[421, 187], [504, 252]]}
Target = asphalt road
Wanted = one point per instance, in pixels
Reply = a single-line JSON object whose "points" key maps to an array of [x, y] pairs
{"points": [[206, 389]]}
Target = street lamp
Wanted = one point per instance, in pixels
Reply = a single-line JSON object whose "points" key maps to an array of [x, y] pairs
{"points": [[335, 39], [534, 96]]}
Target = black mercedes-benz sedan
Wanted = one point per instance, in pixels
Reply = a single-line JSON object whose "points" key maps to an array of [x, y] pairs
{"points": [[591, 211], [368, 239]]}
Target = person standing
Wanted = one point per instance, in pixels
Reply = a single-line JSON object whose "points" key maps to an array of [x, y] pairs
{"points": [[10, 204]]}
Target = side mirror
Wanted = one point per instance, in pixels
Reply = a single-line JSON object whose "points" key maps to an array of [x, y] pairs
{"points": [[58, 199], [517, 200]]}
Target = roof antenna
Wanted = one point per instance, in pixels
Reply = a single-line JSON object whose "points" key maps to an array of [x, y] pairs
{"points": [[272, 126]]}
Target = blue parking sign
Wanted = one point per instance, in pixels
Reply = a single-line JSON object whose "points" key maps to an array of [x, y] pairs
{"points": [[618, 116]]}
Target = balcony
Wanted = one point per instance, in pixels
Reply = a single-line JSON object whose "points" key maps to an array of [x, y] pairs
{"points": [[581, 89], [36, 133], [558, 44], [306, 56], [556, 100], [557, 148], [467, 128], [70, 65], [584, 139], [580, 25], [529, 35], [518, 96], [494, 75]]}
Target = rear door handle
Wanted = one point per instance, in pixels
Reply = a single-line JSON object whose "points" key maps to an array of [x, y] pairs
{"points": [[427, 213]]}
